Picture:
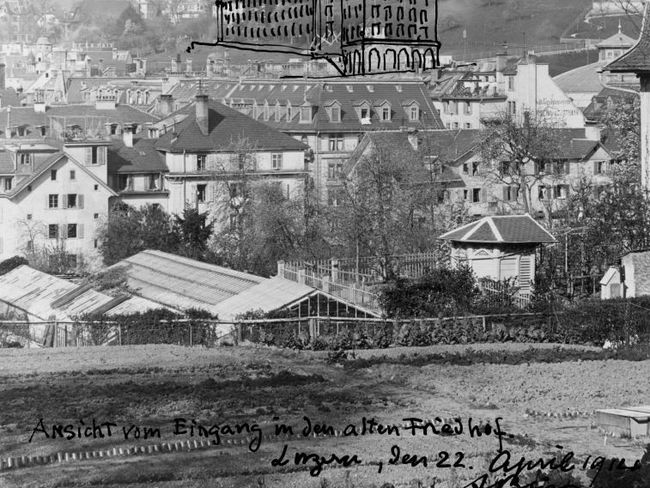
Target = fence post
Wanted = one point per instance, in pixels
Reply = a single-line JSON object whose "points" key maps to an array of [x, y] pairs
{"points": [[119, 334], [190, 334], [484, 324], [281, 269]]}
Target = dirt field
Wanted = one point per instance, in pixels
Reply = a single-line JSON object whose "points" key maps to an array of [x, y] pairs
{"points": [[150, 386]]}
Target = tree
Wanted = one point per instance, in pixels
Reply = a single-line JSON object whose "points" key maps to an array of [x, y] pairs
{"points": [[129, 230], [520, 154], [194, 231], [393, 202]]}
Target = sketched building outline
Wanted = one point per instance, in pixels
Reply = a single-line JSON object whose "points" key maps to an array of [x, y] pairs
{"points": [[371, 36]]}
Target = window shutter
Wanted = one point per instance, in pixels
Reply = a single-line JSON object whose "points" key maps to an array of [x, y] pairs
{"points": [[63, 231], [101, 155], [505, 193], [483, 195], [80, 201], [64, 201], [80, 231], [89, 155], [567, 168], [595, 163]]}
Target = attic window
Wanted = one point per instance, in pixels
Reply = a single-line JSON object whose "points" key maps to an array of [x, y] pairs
{"points": [[414, 113], [305, 114], [385, 114], [349, 88], [370, 88], [398, 88], [335, 113]]}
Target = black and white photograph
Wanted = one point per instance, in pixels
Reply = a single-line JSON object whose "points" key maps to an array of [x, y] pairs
{"points": [[325, 243]]}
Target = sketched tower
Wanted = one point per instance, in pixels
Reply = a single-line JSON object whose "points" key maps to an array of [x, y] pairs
{"points": [[268, 25], [389, 35]]}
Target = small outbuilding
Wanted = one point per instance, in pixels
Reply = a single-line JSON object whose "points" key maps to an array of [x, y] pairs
{"points": [[636, 271], [611, 286], [500, 248], [630, 422]]}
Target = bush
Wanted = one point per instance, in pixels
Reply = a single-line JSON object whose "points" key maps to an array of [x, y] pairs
{"points": [[11, 263]]}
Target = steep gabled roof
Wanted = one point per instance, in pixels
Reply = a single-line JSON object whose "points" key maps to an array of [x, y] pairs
{"points": [[225, 126], [507, 229], [637, 59], [141, 158]]}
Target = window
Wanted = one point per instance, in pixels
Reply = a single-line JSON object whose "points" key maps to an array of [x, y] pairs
{"points": [[475, 168], [468, 125], [414, 114], [336, 114], [465, 169], [601, 167], [200, 162], [96, 187], [93, 158], [73, 175], [276, 161], [385, 114], [334, 197], [200, 193], [512, 108], [452, 107], [153, 182], [455, 125], [53, 175], [472, 195], [305, 114], [7, 184], [72, 231], [511, 83], [542, 193], [510, 193], [72, 200], [96, 216], [468, 108], [25, 158], [561, 191], [53, 201], [29, 216], [336, 142], [236, 190], [334, 170], [53, 231]]}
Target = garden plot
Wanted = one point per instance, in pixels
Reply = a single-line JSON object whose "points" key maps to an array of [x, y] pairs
{"points": [[152, 385]]}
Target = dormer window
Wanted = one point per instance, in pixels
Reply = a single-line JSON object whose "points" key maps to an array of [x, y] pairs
{"points": [[24, 159], [414, 114], [305, 114]]}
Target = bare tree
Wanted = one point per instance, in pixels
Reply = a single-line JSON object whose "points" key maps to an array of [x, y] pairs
{"points": [[520, 154]]}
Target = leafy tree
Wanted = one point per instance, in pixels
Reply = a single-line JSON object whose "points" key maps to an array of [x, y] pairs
{"points": [[194, 231], [129, 230]]}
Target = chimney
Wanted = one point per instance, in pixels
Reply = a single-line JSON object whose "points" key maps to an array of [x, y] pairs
{"points": [[593, 133], [502, 59], [202, 113], [2, 76], [127, 134], [166, 105]]}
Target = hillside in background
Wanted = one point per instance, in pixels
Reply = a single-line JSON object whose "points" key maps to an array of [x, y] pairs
{"points": [[490, 23]]}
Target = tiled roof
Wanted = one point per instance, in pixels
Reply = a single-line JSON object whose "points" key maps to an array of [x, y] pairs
{"points": [[27, 117], [637, 59], [9, 98], [508, 229], [618, 40], [279, 94], [141, 158], [446, 145], [77, 85], [225, 127]]}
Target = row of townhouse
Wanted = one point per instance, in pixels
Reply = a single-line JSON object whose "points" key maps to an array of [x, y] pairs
{"points": [[462, 177], [63, 168]]}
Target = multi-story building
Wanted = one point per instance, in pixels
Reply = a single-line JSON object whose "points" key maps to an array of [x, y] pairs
{"points": [[204, 155], [467, 97], [54, 189], [582, 162], [331, 116]]}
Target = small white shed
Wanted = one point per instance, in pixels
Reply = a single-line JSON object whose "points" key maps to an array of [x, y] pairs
{"points": [[611, 285]]}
